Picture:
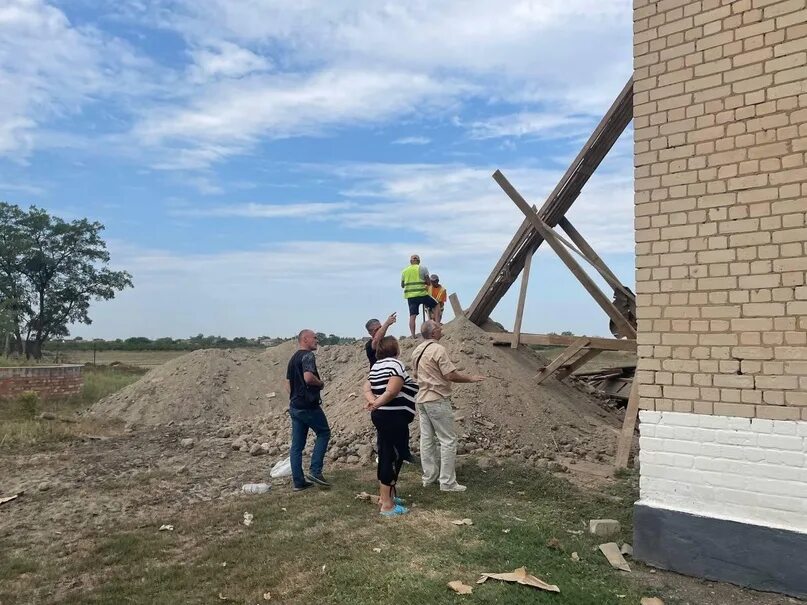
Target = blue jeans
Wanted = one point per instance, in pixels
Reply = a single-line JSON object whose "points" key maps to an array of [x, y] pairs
{"points": [[301, 421]]}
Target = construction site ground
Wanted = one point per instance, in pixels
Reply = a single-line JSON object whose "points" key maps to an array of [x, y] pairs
{"points": [[175, 447]]}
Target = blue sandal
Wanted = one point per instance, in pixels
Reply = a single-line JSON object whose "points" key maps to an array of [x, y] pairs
{"points": [[398, 510], [398, 500]]}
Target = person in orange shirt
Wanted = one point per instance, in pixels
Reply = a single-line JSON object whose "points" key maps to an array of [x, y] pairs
{"points": [[438, 293]]}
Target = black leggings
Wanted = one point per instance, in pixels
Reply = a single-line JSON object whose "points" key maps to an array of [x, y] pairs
{"points": [[393, 442]]}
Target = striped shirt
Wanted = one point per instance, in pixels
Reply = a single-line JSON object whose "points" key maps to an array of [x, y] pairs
{"points": [[380, 374]]}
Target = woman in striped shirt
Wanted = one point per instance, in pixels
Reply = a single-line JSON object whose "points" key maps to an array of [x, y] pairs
{"points": [[390, 395]]}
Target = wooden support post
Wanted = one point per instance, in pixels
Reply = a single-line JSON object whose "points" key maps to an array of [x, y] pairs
{"points": [[550, 238], [455, 305], [561, 359], [628, 427], [568, 369], [599, 264], [522, 295]]}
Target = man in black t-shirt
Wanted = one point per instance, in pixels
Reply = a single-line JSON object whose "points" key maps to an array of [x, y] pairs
{"points": [[304, 386], [377, 331]]}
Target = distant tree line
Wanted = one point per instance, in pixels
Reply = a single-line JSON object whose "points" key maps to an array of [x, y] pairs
{"points": [[200, 341]]}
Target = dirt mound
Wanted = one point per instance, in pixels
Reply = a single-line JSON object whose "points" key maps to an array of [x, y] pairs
{"points": [[232, 390]]}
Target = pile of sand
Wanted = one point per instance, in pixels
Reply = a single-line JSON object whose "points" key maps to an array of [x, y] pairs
{"points": [[241, 393]]}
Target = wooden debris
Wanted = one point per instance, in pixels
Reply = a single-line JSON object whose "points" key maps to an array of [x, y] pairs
{"points": [[615, 558], [460, 588], [520, 576]]}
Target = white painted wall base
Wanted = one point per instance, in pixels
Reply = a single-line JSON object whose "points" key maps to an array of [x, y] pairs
{"points": [[737, 469]]}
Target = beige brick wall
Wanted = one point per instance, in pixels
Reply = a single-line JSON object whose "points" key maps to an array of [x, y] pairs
{"points": [[720, 118]]}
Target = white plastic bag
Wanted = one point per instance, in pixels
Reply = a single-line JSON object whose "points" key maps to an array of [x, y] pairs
{"points": [[281, 469]]}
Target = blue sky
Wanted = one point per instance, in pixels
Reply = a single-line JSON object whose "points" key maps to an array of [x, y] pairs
{"points": [[263, 166]]}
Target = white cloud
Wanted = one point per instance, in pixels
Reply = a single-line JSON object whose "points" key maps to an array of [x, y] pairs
{"points": [[305, 211], [232, 116], [50, 68], [225, 59], [412, 141], [532, 124]]}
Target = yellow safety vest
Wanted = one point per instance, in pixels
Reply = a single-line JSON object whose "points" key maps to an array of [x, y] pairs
{"points": [[413, 284]]}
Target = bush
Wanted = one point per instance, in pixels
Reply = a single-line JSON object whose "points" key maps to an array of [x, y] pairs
{"points": [[28, 402]]}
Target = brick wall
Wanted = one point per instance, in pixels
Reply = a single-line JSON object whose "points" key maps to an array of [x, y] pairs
{"points": [[720, 96], [50, 382], [742, 469]]}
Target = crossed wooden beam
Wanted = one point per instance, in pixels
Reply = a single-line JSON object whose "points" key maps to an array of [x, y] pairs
{"points": [[538, 227]]}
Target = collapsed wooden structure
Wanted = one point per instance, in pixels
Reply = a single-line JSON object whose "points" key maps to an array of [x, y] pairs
{"points": [[537, 228]]}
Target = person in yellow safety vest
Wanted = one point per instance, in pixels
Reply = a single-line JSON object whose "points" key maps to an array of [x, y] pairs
{"points": [[438, 293], [415, 282]]}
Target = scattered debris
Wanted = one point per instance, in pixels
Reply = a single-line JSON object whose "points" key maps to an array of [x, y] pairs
{"points": [[223, 598], [187, 443], [521, 576], [516, 518], [613, 383], [5, 499], [459, 587], [271, 395], [615, 558], [463, 522], [651, 601], [248, 519], [575, 557], [554, 544], [626, 549], [368, 497], [282, 468], [603, 528], [351, 395], [267, 596], [376, 549], [166, 528], [505, 531], [575, 532], [255, 488]]}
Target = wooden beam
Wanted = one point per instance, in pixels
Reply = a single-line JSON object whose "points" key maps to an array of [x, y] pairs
{"points": [[569, 368], [573, 349], [597, 262], [556, 340], [527, 240], [455, 305], [522, 295], [583, 277], [628, 427]]}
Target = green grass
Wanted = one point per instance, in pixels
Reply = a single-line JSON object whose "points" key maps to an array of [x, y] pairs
{"points": [[21, 427], [283, 552]]}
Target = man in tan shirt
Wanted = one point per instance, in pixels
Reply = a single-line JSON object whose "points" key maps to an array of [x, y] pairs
{"points": [[434, 373]]}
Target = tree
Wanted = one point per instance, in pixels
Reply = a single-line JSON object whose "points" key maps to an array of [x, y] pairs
{"points": [[50, 270]]}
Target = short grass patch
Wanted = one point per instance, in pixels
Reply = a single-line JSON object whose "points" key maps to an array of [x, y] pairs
{"points": [[317, 547], [20, 425]]}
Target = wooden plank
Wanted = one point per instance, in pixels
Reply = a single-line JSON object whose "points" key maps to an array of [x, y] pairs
{"points": [[569, 368], [522, 296], [628, 427], [556, 340], [599, 264], [573, 349], [526, 239], [455, 305], [583, 277]]}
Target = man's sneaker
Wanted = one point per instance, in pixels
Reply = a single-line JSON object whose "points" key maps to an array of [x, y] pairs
{"points": [[318, 479], [453, 488], [299, 488]]}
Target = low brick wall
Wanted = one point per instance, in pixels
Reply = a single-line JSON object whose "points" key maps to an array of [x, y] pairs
{"points": [[49, 382]]}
